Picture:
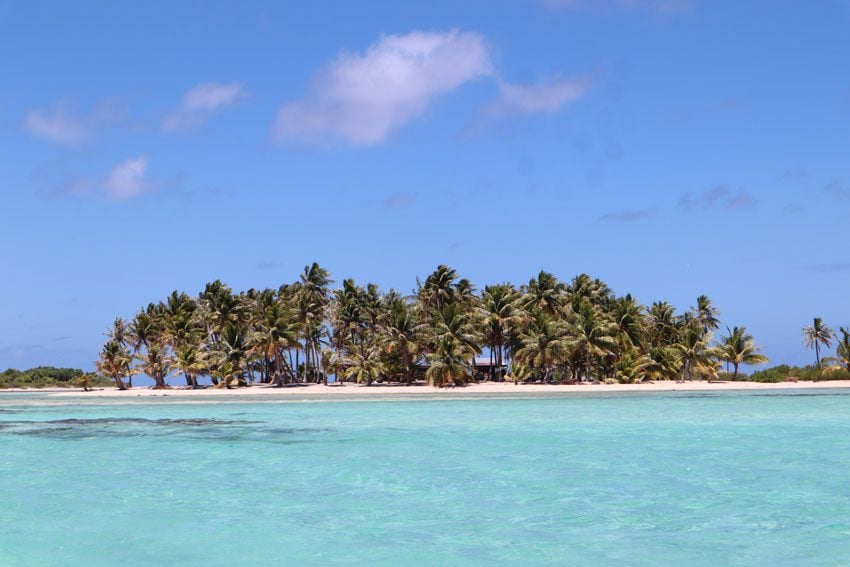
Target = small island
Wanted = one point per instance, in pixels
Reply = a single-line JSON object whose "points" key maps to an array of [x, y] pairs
{"points": [[446, 333]]}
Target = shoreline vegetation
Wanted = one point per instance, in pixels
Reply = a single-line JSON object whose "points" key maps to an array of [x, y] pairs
{"points": [[43, 377], [446, 333]]}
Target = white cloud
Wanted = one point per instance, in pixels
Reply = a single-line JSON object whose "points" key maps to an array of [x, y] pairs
{"points": [[127, 180], [546, 96], [58, 127], [72, 130], [202, 102], [363, 99]]}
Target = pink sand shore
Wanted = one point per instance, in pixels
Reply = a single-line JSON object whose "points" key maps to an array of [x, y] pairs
{"points": [[406, 391]]}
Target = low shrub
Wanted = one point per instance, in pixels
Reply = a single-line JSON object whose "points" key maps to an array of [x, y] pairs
{"points": [[784, 372]]}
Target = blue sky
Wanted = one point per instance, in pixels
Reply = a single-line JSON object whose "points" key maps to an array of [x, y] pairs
{"points": [[669, 147]]}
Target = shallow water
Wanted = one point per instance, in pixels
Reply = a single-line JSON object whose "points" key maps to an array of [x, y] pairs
{"points": [[740, 478]]}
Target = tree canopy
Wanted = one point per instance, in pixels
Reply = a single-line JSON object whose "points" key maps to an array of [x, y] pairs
{"points": [[445, 331]]}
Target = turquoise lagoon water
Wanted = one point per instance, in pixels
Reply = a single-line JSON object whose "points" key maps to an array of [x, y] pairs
{"points": [[646, 479]]}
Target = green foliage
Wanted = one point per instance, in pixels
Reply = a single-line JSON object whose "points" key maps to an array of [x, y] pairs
{"points": [[545, 331], [46, 377], [784, 372]]}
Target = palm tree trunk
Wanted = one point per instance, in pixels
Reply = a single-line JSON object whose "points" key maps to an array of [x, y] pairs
{"points": [[817, 354], [297, 362], [408, 367]]}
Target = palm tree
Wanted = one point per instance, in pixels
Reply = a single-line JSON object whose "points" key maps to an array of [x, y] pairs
{"points": [[447, 364], [543, 345], [274, 331], [156, 363], [119, 332], [817, 334], [312, 301], [114, 362], [739, 348], [229, 357], [584, 289], [454, 321], [402, 334], [629, 321], [545, 293], [664, 363], [364, 365], [631, 367], [191, 361], [843, 350], [592, 335], [705, 313], [499, 315], [662, 324], [439, 288], [692, 348]]}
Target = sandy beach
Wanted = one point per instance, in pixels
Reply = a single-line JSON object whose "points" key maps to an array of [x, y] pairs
{"points": [[489, 389]]}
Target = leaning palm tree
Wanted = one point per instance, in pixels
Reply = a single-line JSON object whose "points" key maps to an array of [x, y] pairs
{"points": [[739, 348], [156, 363], [191, 361], [114, 362], [817, 334], [119, 332], [842, 350]]}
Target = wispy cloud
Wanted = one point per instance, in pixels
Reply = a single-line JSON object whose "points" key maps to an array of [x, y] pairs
{"points": [[628, 215], [719, 197], [362, 99], [837, 190], [543, 97], [62, 126], [657, 7], [831, 267], [202, 102], [400, 200], [125, 181], [57, 126]]}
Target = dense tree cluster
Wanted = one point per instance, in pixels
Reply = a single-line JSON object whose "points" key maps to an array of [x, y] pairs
{"points": [[546, 330], [47, 377]]}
